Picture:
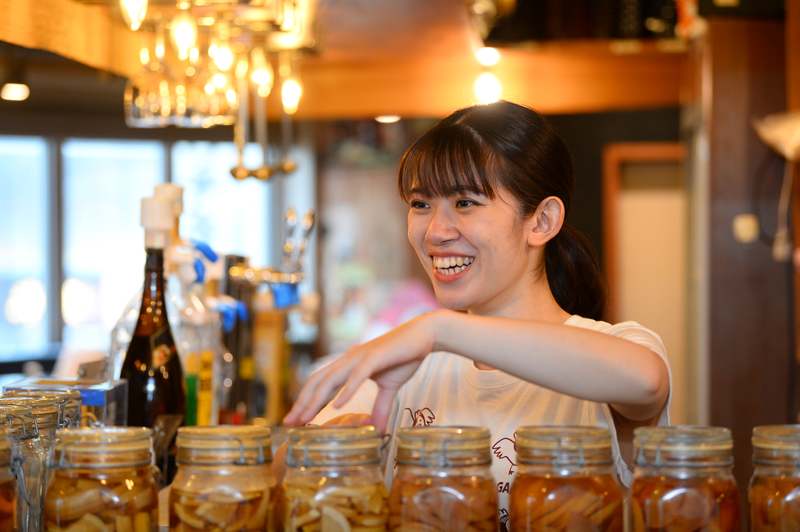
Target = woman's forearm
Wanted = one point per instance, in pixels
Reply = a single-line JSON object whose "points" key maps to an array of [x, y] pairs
{"points": [[578, 362]]}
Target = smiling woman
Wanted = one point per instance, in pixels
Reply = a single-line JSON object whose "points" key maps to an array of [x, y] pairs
{"points": [[488, 190]]}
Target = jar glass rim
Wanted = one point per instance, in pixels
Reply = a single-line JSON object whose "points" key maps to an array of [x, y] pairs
{"points": [[346, 437], [565, 437], [449, 434], [785, 437], [684, 436], [225, 437]]}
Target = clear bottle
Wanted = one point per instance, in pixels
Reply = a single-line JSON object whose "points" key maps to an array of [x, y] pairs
{"points": [[443, 480], [34, 448], [683, 480], [565, 481], [333, 480], [102, 480], [224, 480], [774, 504]]}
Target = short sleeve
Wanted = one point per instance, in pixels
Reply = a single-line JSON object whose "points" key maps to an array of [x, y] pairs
{"points": [[361, 403]]}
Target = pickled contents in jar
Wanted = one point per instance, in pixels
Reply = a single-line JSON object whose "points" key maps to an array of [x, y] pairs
{"points": [[686, 505], [222, 511], [454, 503], [118, 501], [585, 503], [774, 503], [8, 500], [336, 507]]}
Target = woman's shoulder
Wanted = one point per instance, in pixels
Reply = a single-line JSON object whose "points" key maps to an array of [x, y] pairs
{"points": [[629, 330]]}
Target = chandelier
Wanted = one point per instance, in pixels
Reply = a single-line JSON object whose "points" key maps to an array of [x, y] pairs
{"points": [[203, 61]]}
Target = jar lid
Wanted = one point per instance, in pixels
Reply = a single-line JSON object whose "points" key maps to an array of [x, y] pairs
{"points": [[776, 444], [225, 444], [442, 447], [101, 447], [333, 445], [45, 410], [683, 446], [564, 446], [16, 419], [68, 401]]}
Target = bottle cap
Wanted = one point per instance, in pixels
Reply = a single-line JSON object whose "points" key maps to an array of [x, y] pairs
{"points": [[157, 213], [174, 193]]}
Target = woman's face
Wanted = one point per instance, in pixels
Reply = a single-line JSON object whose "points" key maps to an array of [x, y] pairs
{"points": [[474, 250]]}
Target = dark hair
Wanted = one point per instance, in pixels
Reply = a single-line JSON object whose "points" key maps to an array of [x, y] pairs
{"points": [[510, 146]]}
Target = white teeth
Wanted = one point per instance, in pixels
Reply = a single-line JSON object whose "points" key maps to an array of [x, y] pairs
{"points": [[452, 265]]}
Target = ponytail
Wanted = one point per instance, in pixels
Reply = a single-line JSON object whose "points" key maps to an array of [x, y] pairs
{"points": [[574, 275]]}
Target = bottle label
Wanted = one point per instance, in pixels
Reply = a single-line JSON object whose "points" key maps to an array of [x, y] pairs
{"points": [[247, 368], [160, 347], [205, 388]]}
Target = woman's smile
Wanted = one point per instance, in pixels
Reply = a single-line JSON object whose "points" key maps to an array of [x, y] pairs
{"points": [[449, 266]]}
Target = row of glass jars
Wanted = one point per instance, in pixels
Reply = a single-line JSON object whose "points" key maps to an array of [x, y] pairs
{"points": [[102, 480]]}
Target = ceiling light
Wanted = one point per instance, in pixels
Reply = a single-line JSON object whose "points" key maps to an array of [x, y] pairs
{"points": [[487, 56], [133, 11], [387, 119], [291, 95], [488, 88], [15, 92], [183, 31]]}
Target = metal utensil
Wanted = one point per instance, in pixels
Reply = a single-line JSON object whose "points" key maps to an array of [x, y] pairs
{"points": [[240, 171], [306, 225], [288, 230]]}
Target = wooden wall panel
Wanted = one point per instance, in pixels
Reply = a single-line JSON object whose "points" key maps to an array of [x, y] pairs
{"points": [[750, 294]]}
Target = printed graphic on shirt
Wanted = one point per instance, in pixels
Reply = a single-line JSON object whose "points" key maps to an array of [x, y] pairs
{"points": [[421, 418], [505, 449], [503, 520]]}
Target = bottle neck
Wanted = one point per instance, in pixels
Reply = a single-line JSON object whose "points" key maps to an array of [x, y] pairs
{"points": [[153, 314]]}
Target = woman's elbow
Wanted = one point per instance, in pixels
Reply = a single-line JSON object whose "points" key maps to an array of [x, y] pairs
{"points": [[655, 385]]}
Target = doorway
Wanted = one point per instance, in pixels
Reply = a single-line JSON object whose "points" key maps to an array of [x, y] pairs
{"points": [[646, 250]]}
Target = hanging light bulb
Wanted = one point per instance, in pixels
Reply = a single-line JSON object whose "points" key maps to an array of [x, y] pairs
{"points": [[183, 32], [262, 75], [487, 56], [488, 88], [223, 56], [133, 11], [290, 94]]}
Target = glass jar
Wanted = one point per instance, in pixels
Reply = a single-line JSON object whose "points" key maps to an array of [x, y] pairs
{"points": [[102, 481], [683, 480], [565, 481], [34, 449], [17, 421], [443, 481], [774, 491], [8, 484], [333, 480], [224, 480], [69, 400]]}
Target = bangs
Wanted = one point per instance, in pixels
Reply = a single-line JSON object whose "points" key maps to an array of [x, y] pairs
{"points": [[448, 160]]}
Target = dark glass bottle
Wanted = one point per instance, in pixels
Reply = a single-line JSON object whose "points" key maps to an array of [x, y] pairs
{"points": [[156, 390]]}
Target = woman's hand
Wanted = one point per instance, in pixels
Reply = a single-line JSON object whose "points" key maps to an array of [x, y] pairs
{"points": [[389, 360]]}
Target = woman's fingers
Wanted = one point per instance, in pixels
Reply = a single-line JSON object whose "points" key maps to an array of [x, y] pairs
{"points": [[382, 407]]}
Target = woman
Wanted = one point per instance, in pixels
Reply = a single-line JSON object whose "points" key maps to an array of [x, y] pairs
{"points": [[489, 188]]}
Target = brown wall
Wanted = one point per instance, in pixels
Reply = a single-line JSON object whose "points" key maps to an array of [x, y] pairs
{"points": [[751, 370]]}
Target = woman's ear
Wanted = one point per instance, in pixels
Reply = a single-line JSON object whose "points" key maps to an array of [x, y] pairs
{"points": [[546, 222]]}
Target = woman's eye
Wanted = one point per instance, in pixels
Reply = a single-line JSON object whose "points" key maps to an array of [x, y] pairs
{"points": [[465, 203], [416, 204]]}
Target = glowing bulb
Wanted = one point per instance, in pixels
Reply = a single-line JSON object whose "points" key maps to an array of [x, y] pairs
{"points": [[144, 56], [194, 55], [291, 95], [488, 88], [133, 11], [219, 80], [231, 96], [15, 92], [183, 31], [387, 119], [223, 58], [264, 90], [487, 56], [212, 50], [209, 88], [262, 69]]}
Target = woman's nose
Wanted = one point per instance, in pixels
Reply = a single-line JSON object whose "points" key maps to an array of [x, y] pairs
{"points": [[442, 227]]}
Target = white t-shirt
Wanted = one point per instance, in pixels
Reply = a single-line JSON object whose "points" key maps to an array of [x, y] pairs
{"points": [[448, 389]]}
